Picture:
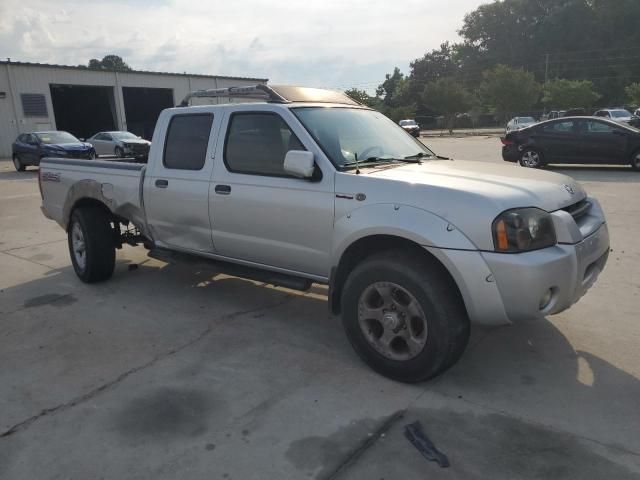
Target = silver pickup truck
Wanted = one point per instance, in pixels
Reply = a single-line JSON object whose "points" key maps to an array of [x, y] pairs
{"points": [[306, 185]]}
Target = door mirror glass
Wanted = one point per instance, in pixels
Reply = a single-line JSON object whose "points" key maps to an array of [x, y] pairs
{"points": [[299, 163]]}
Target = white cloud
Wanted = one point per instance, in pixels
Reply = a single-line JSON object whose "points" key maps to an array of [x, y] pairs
{"points": [[312, 42]]}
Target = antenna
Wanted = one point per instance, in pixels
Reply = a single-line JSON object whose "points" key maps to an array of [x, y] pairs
{"points": [[357, 167]]}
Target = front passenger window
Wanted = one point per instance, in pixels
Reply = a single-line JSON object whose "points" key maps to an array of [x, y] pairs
{"points": [[257, 144]]}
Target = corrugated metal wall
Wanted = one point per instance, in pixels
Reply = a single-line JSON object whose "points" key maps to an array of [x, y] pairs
{"points": [[19, 78]]}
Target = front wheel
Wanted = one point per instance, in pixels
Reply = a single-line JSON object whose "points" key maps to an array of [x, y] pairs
{"points": [[531, 158], [404, 316], [17, 164], [119, 152], [91, 246]]}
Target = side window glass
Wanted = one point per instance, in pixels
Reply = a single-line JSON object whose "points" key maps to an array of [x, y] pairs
{"points": [[257, 143], [599, 127], [187, 140], [560, 127], [106, 137]]}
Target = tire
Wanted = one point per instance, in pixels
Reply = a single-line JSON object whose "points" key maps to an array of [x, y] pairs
{"points": [[119, 152], [92, 155], [17, 164], [90, 231], [531, 158], [410, 278], [635, 161]]}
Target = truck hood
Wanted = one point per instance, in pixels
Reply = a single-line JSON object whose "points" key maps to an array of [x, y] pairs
{"points": [[466, 194], [506, 186]]}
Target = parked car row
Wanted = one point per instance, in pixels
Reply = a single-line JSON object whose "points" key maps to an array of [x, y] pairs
{"points": [[584, 140], [29, 148]]}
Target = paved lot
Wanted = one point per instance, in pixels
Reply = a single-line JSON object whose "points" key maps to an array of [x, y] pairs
{"points": [[170, 372]]}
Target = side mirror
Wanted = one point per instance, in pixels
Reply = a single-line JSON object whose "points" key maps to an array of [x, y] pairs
{"points": [[82, 139], [299, 163]]}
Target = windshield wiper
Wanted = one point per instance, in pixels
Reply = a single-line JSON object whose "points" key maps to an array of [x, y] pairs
{"points": [[369, 161], [418, 156]]}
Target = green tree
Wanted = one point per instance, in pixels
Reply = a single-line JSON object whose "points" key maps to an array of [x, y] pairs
{"points": [[633, 93], [362, 97], [447, 98], [391, 90], [565, 94], [109, 62], [507, 91]]}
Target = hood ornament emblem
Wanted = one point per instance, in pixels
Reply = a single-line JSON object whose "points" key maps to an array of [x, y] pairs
{"points": [[568, 188]]}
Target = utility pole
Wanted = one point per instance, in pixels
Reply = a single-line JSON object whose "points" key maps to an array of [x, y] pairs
{"points": [[546, 69]]}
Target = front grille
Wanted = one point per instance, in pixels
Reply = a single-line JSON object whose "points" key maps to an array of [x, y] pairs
{"points": [[139, 148], [578, 210]]}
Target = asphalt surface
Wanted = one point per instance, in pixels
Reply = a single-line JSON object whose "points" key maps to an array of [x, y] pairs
{"points": [[171, 372]]}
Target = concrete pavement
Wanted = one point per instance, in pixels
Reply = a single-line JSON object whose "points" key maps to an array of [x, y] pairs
{"points": [[174, 372]]}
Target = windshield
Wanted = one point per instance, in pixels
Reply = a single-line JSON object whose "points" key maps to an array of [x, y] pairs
{"points": [[406, 123], [620, 114], [123, 135], [344, 133], [526, 120], [50, 138]]}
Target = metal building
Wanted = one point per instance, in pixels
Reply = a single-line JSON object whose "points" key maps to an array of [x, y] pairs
{"points": [[36, 97]]}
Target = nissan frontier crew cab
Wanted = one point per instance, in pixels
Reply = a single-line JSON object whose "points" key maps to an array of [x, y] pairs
{"points": [[306, 185]]}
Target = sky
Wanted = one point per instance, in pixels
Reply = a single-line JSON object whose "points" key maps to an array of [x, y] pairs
{"points": [[330, 43]]}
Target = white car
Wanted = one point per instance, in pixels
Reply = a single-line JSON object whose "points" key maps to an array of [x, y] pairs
{"points": [[518, 123], [120, 144], [619, 115]]}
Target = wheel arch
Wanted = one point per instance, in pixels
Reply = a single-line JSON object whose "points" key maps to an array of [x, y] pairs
{"points": [[84, 193], [366, 246]]}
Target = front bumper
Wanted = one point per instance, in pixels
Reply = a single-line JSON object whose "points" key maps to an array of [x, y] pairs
{"points": [[502, 288], [567, 271]]}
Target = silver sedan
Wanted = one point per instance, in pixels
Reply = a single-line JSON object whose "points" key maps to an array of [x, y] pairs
{"points": [[120, 144]]}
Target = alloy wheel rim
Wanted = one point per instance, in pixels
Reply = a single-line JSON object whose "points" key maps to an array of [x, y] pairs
{"points": [[531, 159], [637, 161], [79, 246], [392, 321]]}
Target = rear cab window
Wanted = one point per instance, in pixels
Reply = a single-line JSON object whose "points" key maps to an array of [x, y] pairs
{"points": [[187, 140]]}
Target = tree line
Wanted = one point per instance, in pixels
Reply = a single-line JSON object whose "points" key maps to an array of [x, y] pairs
{"points": [[517, 56]]}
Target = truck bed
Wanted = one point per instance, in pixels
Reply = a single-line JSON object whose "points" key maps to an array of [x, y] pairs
{"points": [[117, 184]]}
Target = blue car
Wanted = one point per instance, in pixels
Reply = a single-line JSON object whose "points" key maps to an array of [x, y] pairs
{"points": [[29, 148]]}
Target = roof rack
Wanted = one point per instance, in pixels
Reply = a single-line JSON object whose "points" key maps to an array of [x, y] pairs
{"points": [[254, 92]]}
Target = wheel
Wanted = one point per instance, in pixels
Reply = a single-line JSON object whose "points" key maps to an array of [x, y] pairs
{"points": [[119, 152], [18, 164], [635, 161], [404, 316], [91, 246], [92, 155], [531, 158]]}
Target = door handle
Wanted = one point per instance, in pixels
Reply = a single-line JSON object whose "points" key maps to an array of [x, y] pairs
{"points": [[160, 183], [223, 189]]}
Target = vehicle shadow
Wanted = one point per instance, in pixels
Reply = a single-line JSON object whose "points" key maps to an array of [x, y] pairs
{"points": [[598, 173], [29, 174], [530, 369]]}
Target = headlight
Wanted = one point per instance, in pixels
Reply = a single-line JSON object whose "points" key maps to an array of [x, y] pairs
{"points": [[522, 230]]}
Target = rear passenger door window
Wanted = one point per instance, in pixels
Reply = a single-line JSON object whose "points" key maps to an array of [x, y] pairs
{"points": [[186, 141], [565, 127], [257, 143]]}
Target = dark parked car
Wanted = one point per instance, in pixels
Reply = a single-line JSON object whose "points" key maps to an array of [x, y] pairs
{"points": [[29, 148], [573, 140]]}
